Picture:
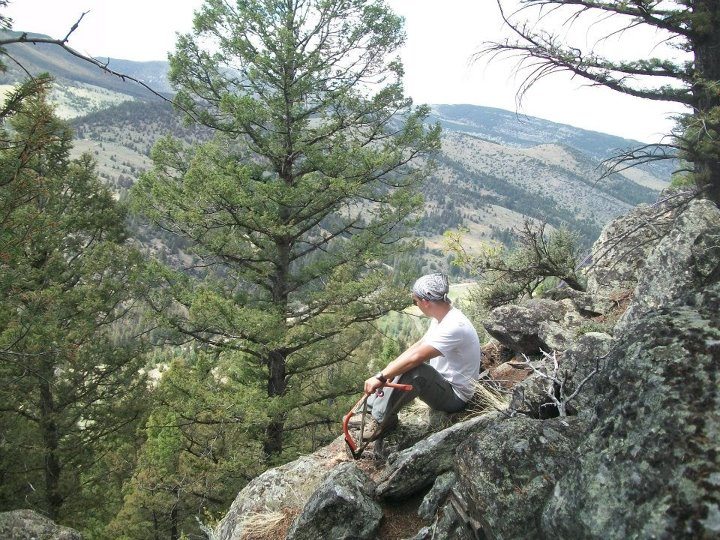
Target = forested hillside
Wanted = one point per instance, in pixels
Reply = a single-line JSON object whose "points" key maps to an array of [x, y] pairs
{"points": [[488, 186], [496, 167]]}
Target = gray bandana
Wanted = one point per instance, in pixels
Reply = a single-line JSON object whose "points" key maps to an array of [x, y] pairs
{"points": [[434, 287]]}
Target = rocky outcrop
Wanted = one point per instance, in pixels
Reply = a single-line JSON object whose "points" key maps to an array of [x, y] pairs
{"points": [[620, 254], [654, 451], [278, 489], [507, 472], [442, 486], [637, 454], [535, 325], [29, 525], [521, 327], [687, 258], [453, 522], [341, 508], [411, 470]]}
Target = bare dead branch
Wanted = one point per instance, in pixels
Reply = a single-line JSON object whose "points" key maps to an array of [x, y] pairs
{"points": [[627, 159], [542, 54], [75, 26], [556, 388]]}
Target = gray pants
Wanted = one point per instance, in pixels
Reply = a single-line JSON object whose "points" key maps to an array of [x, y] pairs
{"points": [[428, 385]]}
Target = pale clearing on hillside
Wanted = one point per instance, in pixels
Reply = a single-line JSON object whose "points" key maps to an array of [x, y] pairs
{"points": [[560, 156], [646, 179], [547, 170], [479, 229], [79, 99], [555, 154]]}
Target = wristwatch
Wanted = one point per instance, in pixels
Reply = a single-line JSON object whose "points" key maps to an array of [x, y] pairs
{"points": [[380, 377]]}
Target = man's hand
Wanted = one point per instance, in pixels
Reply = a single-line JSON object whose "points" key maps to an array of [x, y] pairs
{"points": [[414, 356], [372, 384]]}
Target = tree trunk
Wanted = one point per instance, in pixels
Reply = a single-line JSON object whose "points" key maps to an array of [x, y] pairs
{"points": [[51, 440], [156, 526], [174, 528], [277, 382], [707, 62], [277, 385]]}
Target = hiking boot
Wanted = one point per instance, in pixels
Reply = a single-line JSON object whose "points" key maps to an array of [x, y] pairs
{"points": [[356, 420], [374, 431], [371, 427]]}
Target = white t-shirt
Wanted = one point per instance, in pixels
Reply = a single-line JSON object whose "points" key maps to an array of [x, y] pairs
{"points": [[458, 342]]}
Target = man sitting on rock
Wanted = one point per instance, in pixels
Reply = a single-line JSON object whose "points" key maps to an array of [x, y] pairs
{"points": [[446, 382]]}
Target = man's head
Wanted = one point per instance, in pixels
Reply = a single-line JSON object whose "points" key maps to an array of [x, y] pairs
{"points": [[433, 288]]}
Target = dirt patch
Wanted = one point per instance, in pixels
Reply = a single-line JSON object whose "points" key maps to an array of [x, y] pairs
{"points": [[494, 354], [622, 300], [400, 519], [510, 373], [369, 465]]}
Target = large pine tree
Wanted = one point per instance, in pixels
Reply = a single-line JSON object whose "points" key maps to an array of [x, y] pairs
{"points": [[303, 194]]}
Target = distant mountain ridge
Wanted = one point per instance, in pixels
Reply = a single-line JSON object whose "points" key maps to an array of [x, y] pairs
{"points": [[493, 124], [514, 129], [66, 68]]}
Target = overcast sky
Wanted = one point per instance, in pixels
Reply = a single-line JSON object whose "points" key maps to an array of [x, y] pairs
{"points": [[442, 37]]}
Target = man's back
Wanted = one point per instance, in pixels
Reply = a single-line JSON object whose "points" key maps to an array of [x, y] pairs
{"points": [[455, 337]]}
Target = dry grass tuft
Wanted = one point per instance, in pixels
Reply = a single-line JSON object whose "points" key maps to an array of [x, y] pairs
{"points": [[268, 525], [488, 398], [417, 406]]}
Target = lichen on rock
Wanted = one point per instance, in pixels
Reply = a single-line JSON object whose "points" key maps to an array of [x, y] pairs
{"points": [[655, 445], [341, 508], [29, 525]]}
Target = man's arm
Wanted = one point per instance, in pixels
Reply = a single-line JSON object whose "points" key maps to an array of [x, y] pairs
{"points": [[413, 356]]}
